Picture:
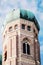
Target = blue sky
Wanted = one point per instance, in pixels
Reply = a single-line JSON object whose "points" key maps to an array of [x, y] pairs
{"points": [[36, 6]]}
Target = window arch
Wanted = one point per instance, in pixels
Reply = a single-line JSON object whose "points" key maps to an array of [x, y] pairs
{"points": [[28, 28], [16, 27], [23, 26], [26, 48], [10, 28], [26, 40]]}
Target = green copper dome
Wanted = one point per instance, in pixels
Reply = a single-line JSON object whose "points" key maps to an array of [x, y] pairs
{"points": [[24, 14]]}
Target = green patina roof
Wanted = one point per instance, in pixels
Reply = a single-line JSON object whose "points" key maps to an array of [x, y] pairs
{"points": [[24, 14]]}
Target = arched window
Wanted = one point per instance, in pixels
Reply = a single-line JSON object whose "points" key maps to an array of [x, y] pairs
{"points": [[16, 27], [10, 28], [23, 26], [28, 28], [5, 56], [26, 48]]}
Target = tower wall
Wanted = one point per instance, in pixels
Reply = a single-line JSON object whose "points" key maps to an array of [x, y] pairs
{"points": [[14, 37]]}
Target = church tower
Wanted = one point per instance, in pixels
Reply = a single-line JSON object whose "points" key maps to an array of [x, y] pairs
{"points": [[20, 39]]}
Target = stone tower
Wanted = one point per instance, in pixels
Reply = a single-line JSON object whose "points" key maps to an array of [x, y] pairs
{"points": [[20, 39]]}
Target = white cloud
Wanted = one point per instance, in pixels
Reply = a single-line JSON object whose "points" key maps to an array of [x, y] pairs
{"points": [[18, 3]]}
